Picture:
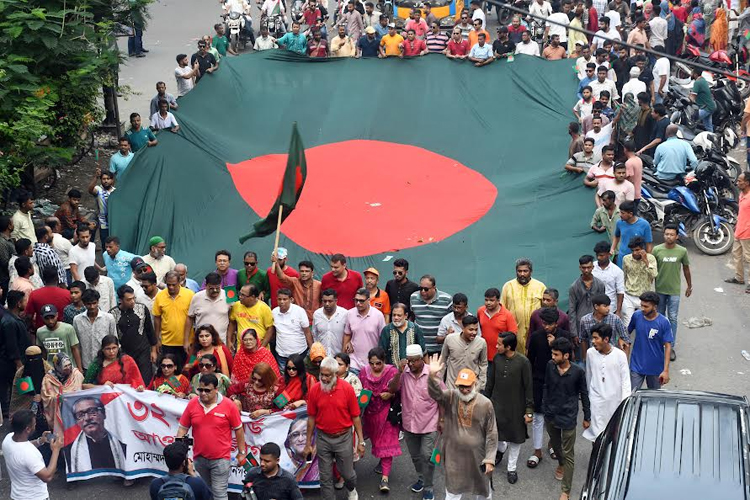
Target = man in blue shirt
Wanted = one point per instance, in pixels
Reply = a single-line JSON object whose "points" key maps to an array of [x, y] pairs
{"points": [[120, 160], [293, 41], [368, 44], [180, 469], [382, 27], [652, 334], [590, 77], [117, 261], [673, 156], [481, 53], [629, 226], [138, 136]]}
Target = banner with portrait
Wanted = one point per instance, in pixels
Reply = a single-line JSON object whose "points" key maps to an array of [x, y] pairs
{"points": [[121, 432]]}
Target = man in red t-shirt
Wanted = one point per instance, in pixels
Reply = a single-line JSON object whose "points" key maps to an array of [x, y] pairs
{"points": [[50, 293], [345, 281], [213, 418], [494, 319], [334, 425], [457, 48], [274, 284], [413, 46]]}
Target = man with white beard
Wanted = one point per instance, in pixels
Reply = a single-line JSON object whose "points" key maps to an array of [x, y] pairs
{"points": [[158, 259], [607, 377], [469, 434], [334, 425]]}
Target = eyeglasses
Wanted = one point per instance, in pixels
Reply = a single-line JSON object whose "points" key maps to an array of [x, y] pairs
{"points": [[251, 264], [201, 390], [170, 365], [204, 365], [360, 301], [291, 368], [425, 288], [399, 273], [91, 412]]}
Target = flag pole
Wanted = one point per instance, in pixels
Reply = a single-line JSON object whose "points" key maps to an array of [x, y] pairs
{"points": [[278, 229]]}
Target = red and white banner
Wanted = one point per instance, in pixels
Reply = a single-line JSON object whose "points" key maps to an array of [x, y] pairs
{"points": [[121, 432]]}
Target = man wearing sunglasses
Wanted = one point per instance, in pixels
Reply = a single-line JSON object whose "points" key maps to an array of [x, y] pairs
{"points": [[429, 306], [252, 274], [400, 288]]}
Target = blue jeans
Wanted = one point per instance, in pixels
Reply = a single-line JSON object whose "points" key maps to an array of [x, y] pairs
{"points": [[636, 381], [135, 42], [669, 306], [705, 116]]}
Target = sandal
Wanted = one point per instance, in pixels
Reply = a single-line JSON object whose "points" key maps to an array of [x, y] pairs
{"points": [[734, 281], [533, 461], [559, 474], [552, 454], [747, 290]]}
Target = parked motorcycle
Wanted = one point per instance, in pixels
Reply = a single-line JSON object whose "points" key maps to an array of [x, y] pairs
{"points": [[733, 60], [726, 118], [696, 208]]}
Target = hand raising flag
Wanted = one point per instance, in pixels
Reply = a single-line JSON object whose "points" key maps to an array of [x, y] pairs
{"points": [[289, 192]]}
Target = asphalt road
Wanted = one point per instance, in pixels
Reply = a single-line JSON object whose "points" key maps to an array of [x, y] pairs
{"points": [[708, 358]]}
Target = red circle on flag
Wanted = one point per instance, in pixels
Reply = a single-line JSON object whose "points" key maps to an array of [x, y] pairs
{"points": [[24, 386], [367, 197], [230, 294]]}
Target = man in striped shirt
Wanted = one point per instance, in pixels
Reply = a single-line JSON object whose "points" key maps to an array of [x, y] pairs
{"points": [[46, 256], [436, 40], [429, 305]]}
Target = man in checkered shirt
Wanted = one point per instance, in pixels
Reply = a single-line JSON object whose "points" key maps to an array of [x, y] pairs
{"points": [[46, 256]]}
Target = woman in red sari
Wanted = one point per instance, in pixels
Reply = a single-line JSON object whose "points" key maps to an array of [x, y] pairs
{"points": [[297, 382], [167, 380], [256, 397], [250, 354], [207, 341], [112, 367]]}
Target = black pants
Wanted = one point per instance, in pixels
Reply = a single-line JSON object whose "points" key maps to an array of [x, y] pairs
{"points": [[7, 372]]}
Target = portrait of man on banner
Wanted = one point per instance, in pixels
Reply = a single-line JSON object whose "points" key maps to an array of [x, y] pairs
{"points": [[94, 447]]}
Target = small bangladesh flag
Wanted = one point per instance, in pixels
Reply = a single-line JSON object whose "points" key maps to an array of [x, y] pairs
{"points": [[231, 293], [364, 399], [289, 191], [436, 458], [24, 385], [281, 400]]}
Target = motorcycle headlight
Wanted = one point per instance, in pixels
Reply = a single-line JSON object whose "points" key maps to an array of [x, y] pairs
{"points": [[446, 22]]}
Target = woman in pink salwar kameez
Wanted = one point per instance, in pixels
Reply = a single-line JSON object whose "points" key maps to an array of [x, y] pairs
{"points": [[382, 434]]}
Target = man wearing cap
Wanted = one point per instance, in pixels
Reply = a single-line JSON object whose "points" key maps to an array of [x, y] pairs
{"points": [[398, 334], [329, 322], [57, 336], [274, 282], [469, 433], [157, 258], [467, 350], [634, 85], [391, 45], [313, 360], [305, 289], [209, 307], [378, 298], [502, 47], [419, 415], [367, 45], [139, 267]]}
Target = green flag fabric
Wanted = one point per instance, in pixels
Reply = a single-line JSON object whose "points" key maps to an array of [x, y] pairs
{"points": [[290, 191], [457, 169], [24, 385]]}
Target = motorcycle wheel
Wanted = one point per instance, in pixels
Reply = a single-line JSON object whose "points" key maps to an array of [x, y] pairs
{"points": [[234, 42], [729, 210], [713, 241], [647, 212], [503, 16], [744, 88]]}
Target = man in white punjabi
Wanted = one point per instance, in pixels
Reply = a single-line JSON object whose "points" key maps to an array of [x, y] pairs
{"points": [[509, 387], [469, 439], [607, 377]]}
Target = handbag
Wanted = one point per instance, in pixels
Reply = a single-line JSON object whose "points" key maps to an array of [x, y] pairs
{"points": [[394, 412]]}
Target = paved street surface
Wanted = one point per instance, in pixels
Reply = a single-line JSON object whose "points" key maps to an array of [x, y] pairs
{"points": [[708, 358]]}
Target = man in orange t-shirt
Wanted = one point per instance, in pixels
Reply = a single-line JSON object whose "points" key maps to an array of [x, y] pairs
{"points": [[378, 298], [494, 319]]}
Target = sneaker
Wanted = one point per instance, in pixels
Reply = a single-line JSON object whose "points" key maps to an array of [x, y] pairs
{"points": [[352, 495], [428, 495], [672, 355], [379, 469], [512, 477], [339, 485], [384, 488], [499, 457], [418, 486]]}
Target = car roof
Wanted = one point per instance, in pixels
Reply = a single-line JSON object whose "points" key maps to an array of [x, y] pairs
{"points": [[689, 444]]}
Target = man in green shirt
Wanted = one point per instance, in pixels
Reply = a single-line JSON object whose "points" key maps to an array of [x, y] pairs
{"points": [[670, 257], [220, 41], [138, 136], [56, 336], [605, 217], [251, 274], [701, 95]]}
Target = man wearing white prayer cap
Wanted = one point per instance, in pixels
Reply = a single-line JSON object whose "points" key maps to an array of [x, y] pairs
{"points": [[419, 416]]}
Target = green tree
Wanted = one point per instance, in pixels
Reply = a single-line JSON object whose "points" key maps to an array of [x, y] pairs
{"points": [[55, 57]]}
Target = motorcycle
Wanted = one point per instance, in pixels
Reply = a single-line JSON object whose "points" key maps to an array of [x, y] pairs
{"points": [[696, 208], [275, 25], [504, 16], [714, 148], [726, 118], [733, 60], [239, 30]]}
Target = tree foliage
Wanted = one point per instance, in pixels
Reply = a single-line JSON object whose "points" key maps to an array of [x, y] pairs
{"points": [[55, 56]]}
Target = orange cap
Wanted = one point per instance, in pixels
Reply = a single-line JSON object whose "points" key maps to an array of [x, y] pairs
{"points": [[317, 351], [466, 377], [372, 270]]}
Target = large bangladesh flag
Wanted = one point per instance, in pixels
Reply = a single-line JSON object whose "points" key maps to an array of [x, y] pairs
{"points": [[457, 169]]}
